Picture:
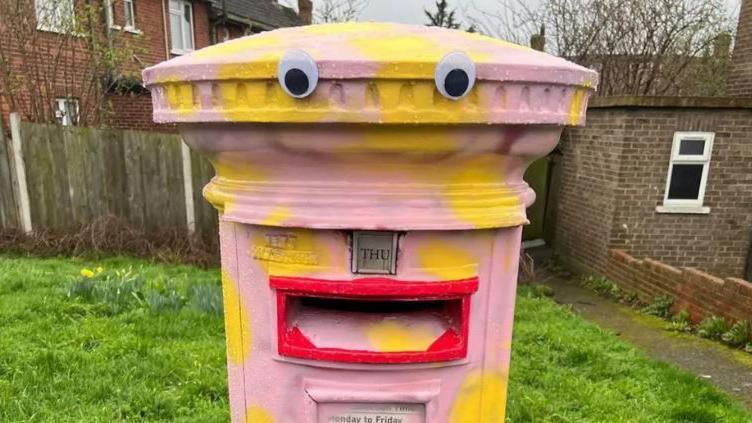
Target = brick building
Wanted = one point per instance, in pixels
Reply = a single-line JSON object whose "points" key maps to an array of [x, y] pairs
{"points": [[665, 178], [76, 86], [740, 81]]}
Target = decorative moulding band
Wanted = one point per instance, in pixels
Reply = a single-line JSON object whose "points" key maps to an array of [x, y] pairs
{"points": [[347, 206], [375, 101]]}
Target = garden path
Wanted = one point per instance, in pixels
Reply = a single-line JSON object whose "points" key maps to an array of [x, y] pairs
{"points": [[729, 369]]}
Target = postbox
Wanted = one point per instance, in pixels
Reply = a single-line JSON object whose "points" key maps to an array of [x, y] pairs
{"points": [[370, 192]]}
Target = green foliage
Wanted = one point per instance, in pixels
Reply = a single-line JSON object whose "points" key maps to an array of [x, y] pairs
{"points": [[601, 285], [207, 299], [660, 307], [738, 335], [118, 291], [64, 360], [712, 327], [71, 359], [680, 322], [630, 298], [565, 369]]}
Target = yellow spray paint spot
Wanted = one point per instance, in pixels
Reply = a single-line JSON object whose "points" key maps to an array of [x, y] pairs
{"points": [[446, 261], [237, 326], [467, 183], [481, 399], [389, 336], [575, 107], [277, 216], [296, 251], [256, 414], [180, 98]]}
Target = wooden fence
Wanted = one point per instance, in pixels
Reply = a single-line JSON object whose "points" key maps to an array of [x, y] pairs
{"points": [[71, 175]]}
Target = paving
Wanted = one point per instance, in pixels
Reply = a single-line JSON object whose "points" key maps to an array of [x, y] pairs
{"points": [[728, 369]]}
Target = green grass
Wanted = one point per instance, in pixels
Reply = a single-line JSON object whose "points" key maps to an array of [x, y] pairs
{"points": [[77, 360]]}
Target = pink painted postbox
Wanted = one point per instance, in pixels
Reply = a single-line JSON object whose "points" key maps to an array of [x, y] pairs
{"points": [[369, 184]]}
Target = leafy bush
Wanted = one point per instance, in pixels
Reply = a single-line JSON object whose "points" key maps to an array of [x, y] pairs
{"points": [[712, 327], [738, 335], [630, 298], [601, 285], [660, 307], [680, 322]]}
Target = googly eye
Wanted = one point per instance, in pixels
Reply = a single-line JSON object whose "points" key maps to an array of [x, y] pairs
{"points": [[455, 75], [297, 73]]}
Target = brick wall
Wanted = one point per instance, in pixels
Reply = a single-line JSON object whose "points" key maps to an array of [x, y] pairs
{"points": [[740, 78], [589, 180], [614, 176], [148, 43], [134, 111], [700, 293]]}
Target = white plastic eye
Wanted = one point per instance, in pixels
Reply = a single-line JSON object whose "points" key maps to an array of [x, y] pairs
{"points": [[297, 73], [455, 75]]}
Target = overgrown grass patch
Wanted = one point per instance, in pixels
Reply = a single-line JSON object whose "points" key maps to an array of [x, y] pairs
{"points": [[101, 357]]}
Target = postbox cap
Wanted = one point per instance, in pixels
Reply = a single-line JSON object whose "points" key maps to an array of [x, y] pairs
{"points": [[370, 73]]}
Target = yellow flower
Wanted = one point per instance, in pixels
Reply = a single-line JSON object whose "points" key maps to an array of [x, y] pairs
{"points": [[99, 270], [87, 273]]}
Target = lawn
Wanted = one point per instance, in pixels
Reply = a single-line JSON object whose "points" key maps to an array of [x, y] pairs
{"points": [[151, 349]]}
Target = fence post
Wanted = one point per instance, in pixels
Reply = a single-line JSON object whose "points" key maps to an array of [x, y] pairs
{"points": [[190, 212], [19, 169]]}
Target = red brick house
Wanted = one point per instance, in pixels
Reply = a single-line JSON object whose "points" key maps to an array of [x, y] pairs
{"points": [[665, 178], [59, 64]]}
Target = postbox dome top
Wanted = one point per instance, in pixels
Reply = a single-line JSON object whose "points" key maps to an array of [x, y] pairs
{"points": [[371, 73]]}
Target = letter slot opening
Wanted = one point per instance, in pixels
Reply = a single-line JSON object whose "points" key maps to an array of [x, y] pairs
{"points": [[376, 323]]}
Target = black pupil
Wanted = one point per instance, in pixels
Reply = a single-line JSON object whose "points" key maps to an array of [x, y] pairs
{"points": [[296, 81], [456, 82]]}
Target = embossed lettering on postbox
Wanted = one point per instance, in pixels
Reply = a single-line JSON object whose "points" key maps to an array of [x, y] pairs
{"points": [[371, 413], [374, 252]]}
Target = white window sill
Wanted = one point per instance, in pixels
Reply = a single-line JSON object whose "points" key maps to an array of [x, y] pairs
{"points": [[668, 209], [60, 31], [180, 52], [130, 29]]}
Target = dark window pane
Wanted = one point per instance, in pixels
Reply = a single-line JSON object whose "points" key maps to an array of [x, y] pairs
{"points": [[685, 182], [692, 147]]}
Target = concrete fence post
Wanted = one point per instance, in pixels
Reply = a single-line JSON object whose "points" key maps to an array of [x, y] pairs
{"points": [[19, 172], [190, 211]]}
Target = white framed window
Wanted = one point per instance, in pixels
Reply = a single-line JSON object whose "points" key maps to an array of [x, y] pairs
{"points": [[55, 15], [129, 15], [66, 111], [181, 26], [688, 173]]}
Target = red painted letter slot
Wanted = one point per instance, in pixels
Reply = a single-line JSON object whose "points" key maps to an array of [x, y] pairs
{"points": [[373, 320]]}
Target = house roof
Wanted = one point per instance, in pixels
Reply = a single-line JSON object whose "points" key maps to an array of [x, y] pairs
{"points": [[265, 13]]}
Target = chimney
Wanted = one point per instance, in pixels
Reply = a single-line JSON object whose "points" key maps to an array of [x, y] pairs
{"points": [[305, 11], [538, 41], [740, 77]]}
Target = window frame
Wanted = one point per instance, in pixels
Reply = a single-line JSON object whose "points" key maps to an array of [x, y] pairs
{"points": [[62, 105], [129, 4], [110, 14], [181, 18], [695, 206], [42, 7]]}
